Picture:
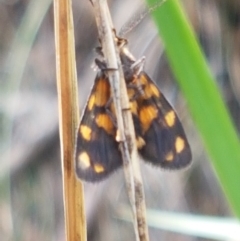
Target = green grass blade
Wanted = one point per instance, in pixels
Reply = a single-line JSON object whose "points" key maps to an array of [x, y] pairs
{"points": [[203, 97]]}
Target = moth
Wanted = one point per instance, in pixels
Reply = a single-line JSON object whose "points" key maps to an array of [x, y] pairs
{"points": [[160, 138]]}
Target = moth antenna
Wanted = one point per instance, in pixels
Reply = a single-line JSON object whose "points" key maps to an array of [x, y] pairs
{"points": [[138, 17]]}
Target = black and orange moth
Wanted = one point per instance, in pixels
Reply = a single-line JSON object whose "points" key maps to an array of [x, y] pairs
{"points": [[160, 137]]}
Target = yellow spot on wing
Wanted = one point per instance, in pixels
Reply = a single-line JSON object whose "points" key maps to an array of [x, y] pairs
{"points": [[169, 157], [170, 118], [83, 160], [133, 107], [155, 90], [98, 168], [118, 138], [147, 114], [149, 88], [179, 144], [147, 92], [143, 80], [104, 121], [140, 142], [91, 102], [85, 131], [131, 92]]}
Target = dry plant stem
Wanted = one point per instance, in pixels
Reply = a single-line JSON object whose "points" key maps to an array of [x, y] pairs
{"points": [[124, 118], [75, 224]]}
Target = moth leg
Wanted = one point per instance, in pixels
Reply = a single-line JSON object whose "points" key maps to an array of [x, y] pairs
{"points": [[137, 66]]}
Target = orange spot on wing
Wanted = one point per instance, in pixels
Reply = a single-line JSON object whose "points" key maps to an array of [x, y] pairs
{"points": [[147, 114], [104, 121], [102, 93], [143, 80]]}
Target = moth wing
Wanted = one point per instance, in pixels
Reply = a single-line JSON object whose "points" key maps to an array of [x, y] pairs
{"points": [[158, 129], [97, 152]]}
